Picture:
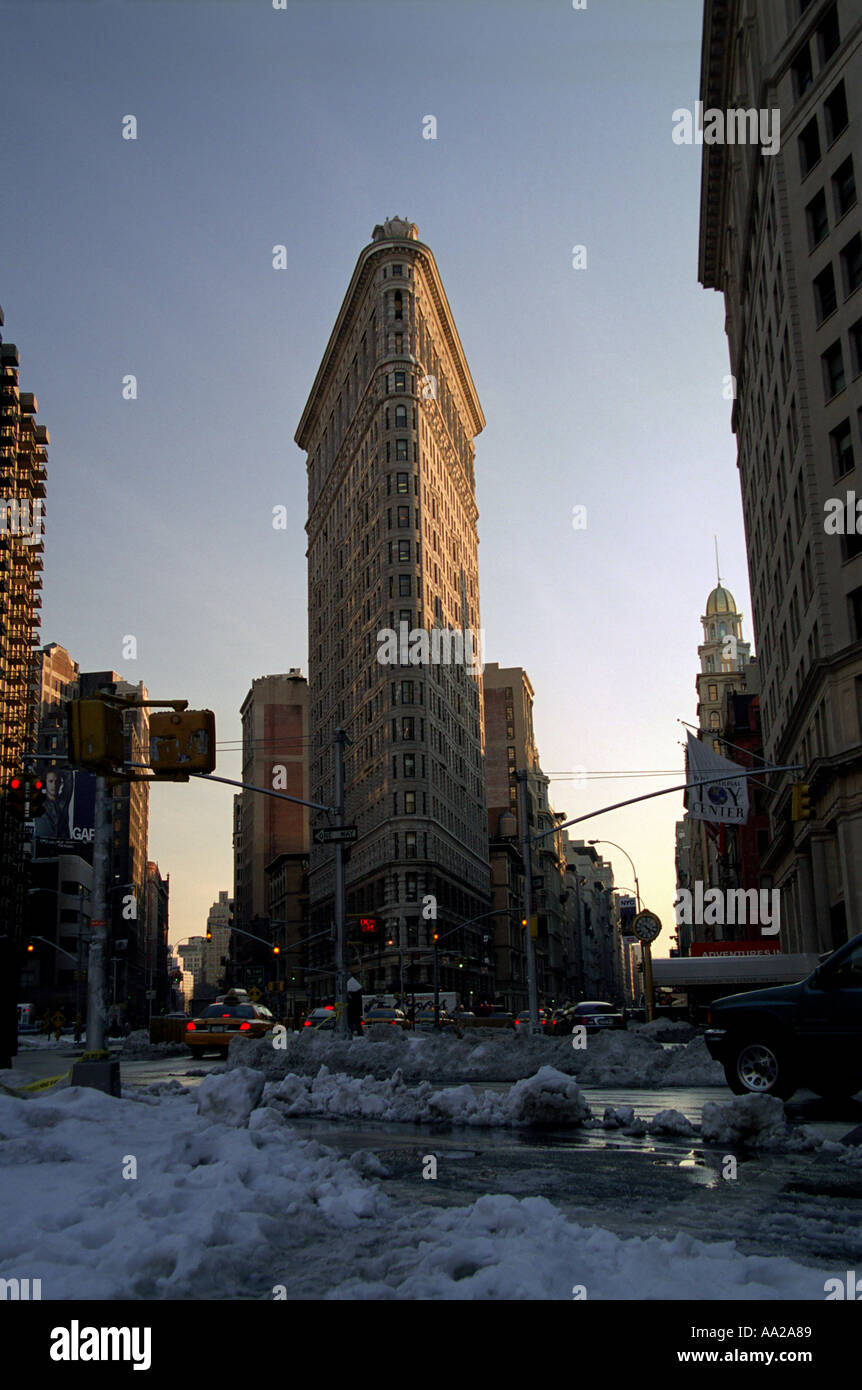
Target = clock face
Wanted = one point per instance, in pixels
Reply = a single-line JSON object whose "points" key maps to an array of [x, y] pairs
{"points": [[647, 926]]}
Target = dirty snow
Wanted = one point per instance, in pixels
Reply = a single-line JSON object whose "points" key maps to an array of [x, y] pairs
{"points": [[613, 1058], [312, 1224]]}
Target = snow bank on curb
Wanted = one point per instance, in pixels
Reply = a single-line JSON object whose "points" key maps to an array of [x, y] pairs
{"points": [[218, 1211], [757, 1121], [548, 1098], [618, 1058]]}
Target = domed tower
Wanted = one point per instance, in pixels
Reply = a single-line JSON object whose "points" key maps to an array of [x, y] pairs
{"points": [[723, 659]]}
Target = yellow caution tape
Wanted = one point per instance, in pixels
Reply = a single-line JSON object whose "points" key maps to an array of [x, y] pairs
{"points": [[45, 1082]]}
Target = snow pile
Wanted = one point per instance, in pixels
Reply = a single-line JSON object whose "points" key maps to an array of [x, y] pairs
{"points": [[610, 1058], [500, 1248], [137, 1046], [216, 1211], [671, 1122], [623, 1117], [549, 1097], [692, 1066], [757, 1121], [229, 1099]]}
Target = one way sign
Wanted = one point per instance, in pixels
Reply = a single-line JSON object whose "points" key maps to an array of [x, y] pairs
{"points": [[335, 834]]}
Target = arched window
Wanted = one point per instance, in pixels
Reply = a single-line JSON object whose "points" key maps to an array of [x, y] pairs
{"points": [[714, 721]]}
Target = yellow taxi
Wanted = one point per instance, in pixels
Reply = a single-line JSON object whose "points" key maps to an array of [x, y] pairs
{"points": [[233, 1016]]}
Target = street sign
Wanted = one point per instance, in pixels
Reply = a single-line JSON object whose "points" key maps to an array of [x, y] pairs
{"points": [[646, 926], [254, 994], [336, 834]]}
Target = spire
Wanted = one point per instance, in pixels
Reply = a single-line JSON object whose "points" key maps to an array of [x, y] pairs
{"points": [[717, 571]]}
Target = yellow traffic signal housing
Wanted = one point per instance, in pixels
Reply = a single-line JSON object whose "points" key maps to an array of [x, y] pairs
{"points": [[182, 742], [801, 801], [95, 735]]}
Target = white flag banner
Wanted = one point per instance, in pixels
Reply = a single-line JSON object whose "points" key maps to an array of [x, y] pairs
{"points": [[724, 802]]}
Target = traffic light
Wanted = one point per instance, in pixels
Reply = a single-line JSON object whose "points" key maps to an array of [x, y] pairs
{"points": [[801, 802], [95, 735], [30, 948], [276, 950], [17, 796], [436, 936], [209, 935], [37, 797], [182, 742]]}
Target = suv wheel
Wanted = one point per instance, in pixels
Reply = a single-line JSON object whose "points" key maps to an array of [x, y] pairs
{"points": [[760, 1066]]}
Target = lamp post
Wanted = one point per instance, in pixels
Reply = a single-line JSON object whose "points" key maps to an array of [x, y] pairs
{"points": [[614, 845]]}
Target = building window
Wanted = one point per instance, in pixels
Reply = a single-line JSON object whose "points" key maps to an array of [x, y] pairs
{"points": [[408, 764], [855, 336], [854, 599], [410, 848], [803, 73], [399, 309], [409, 803], [851, 261], [841, 442], [833, 370], [828, 35], [403, 516], [404, 586], [818, 219], [844, 187], [411, 885], [825, 297], [401, 450], [835, 108], [401, 417], [407, 692], [396, 270], [400, 379], [809, 147], [403, 550], [712, 693], [851, 546], [408, 728]]}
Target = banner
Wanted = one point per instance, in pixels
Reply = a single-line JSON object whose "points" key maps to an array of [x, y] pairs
{"points": [[724, 802], [66, 824]]}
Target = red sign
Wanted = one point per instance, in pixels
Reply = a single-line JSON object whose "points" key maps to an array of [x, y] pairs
{"points": [[368, 924], [761, 947]]}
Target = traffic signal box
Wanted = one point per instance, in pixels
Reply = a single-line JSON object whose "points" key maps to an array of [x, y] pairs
{"points": [[182, 742], [801, 802], [95, 735], [26, 796]]}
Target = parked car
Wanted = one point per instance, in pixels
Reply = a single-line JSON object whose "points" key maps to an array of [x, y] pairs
{"points": [[215, 1028], [596, 1014], [772, 1041], [321, 1018]]}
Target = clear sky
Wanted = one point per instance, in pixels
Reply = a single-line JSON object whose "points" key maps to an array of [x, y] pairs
{"points": [[601, 386]]}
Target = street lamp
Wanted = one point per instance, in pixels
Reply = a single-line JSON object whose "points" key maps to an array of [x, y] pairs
{"points": [[628, 857]]}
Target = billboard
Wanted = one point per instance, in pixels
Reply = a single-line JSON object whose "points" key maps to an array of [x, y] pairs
{"points": [[66, 824]]}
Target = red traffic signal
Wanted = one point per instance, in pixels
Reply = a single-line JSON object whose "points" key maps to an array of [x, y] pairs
{"points": [[38, 796], [17, 798]]}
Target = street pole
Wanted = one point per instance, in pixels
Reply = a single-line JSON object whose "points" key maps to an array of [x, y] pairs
{"points": [[98, 920], [436, 985], [340, 975], [532, 991]]}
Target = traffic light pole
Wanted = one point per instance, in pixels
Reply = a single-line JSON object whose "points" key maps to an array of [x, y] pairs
{"points": [[532, 988], [340, 973], [98, 920]]}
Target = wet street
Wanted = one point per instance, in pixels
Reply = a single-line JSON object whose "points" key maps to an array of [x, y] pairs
{"points": [[806, 1205]]}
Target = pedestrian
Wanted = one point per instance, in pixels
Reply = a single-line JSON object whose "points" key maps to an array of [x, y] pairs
{"points": [[79, 1026], [58, 1020]]}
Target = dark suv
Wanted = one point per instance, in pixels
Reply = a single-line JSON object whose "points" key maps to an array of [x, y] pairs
{"points": [[771, 1041]]}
